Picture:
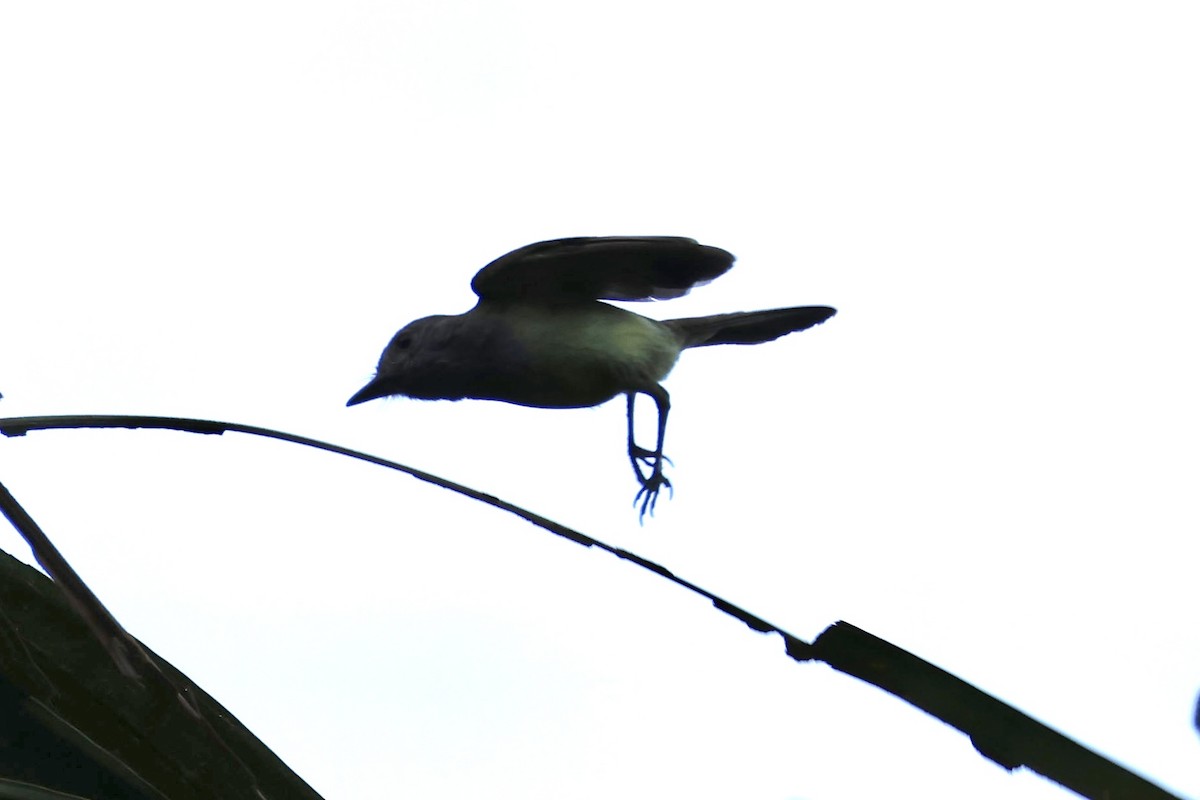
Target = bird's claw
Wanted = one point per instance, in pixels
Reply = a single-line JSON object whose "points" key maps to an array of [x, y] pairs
{"points": [[648, 494], [653, 483]]}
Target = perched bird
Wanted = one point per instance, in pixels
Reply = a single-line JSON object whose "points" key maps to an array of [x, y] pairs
{"points": [[539, 335]]}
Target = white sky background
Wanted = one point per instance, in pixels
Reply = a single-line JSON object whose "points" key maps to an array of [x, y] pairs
{"points": [[989, 457]]}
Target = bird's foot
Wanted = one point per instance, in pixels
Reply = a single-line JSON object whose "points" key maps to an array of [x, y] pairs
{"points": [[647, 496]]}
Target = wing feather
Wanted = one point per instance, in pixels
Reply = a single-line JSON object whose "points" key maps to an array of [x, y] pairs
{"points": [[602, 268]]}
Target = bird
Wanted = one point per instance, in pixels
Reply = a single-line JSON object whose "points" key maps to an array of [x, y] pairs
{"points": [[541, 334]]}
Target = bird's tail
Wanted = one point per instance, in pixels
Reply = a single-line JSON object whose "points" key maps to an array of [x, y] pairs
{"points": [[747, 327]]}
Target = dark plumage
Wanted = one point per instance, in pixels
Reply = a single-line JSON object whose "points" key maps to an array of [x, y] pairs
{"points": [[540, 335]]}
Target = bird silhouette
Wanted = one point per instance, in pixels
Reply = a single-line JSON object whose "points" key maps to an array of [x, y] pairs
{"points": [[541, 336]]}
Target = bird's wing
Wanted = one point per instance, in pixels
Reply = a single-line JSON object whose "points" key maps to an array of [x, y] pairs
{"points": [[602, 268]]}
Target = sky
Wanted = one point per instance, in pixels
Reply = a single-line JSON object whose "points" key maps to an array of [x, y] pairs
{"points": [[988, 457]]}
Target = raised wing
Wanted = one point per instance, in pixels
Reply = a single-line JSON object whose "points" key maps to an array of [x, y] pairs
{"points": [[602, 268]]}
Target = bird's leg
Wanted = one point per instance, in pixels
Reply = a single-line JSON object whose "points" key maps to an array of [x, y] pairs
{"points": [[653, 459], [636, 452]]}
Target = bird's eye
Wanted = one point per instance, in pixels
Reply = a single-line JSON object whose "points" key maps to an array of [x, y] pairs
{"points": [[402, 343]]}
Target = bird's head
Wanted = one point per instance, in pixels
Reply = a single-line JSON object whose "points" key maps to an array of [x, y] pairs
{"points": [[413, 363]]}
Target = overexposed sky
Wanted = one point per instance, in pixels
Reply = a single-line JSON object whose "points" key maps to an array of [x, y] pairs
{"points": [[988, 457]]}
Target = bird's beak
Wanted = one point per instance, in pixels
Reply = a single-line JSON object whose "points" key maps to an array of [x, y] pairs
{"points": [[372, 390]]}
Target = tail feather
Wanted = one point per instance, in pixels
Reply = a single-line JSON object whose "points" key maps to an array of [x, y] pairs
{"points": [[747, 327]]}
